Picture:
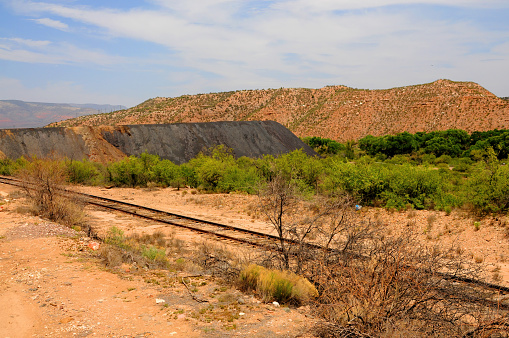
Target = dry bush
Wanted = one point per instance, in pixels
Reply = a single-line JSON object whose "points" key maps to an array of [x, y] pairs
{"points": [[277, 200], [392, 284], [324, 329], [431, 219], [144, 251], [152, 186], [157, 238], [113, 256], [218, 261], [411, 213], [44, 182], [369, 282]]}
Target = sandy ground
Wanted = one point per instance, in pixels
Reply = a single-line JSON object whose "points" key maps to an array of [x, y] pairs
{"points": [[53, 285], [482, 241]]}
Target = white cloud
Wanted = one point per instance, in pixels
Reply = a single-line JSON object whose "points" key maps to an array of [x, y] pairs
{"points": [[290, 42], [338, 5], [52, 23], [32, 51], [28, 42]]}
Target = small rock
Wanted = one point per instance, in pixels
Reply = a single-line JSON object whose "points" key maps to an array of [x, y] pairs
{"points": [[66, 320], [305, 308], [94, 245], [276, 304], [160, 301], [241, 313]]}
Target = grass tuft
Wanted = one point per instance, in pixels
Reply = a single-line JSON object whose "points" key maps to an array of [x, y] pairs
{"points": [[275, 285]]}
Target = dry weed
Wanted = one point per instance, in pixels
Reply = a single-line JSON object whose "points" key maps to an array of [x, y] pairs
{"points": [[44, 182], [411, 214]]}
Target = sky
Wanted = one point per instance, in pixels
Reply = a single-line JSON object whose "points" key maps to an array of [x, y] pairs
{"points": [[123, 52]]}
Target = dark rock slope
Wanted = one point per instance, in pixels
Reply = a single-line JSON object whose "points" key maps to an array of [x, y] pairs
{"points": [[53, 142], [176, 142]]}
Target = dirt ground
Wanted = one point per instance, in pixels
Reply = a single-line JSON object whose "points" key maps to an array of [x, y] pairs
{"points": [[483, 241], [53, 285]]}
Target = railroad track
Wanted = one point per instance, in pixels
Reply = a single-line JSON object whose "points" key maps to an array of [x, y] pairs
{"points": [[222, 231]]}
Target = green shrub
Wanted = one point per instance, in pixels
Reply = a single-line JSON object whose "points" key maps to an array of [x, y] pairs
{"points": [[412, 185], [365, 182], [116, 237], [237, 179], [167, 174], [443, 159], [127, 172], [324, 146], [136, 245], [399, 159], [188, 175], [83, 172], [7, 167], [153, 253], [297, 165], [463, 164], [488, 189]]}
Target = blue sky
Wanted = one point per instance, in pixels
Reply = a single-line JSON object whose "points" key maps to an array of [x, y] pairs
{"points": [[124, 52]]}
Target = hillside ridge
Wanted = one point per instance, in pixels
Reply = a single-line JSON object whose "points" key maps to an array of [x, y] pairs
{"points": [[24, 114], [336, 112]]}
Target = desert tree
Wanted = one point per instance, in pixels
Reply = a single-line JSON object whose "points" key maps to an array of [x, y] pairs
{"points": [[302, 236], [276, 201]]}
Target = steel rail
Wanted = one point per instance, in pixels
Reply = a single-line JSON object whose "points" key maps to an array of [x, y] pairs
{"points": [[262, 237], [258, 239]]}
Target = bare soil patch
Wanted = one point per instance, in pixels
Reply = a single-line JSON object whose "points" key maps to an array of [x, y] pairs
{"points": [[53, 285], [484, 241]]}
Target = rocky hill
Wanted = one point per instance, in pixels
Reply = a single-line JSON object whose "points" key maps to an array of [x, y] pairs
{"points": [[21, 114], [177, 142], [335, 112]]}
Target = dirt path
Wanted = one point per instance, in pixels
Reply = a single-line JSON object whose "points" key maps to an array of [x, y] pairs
{"points": [[53, 285]]}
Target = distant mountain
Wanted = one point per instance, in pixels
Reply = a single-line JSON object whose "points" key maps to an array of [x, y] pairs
{"points": [[336, 112], [21, 114]]}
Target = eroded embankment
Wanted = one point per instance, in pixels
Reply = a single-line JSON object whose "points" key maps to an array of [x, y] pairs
{"points": [[176, 142]]}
